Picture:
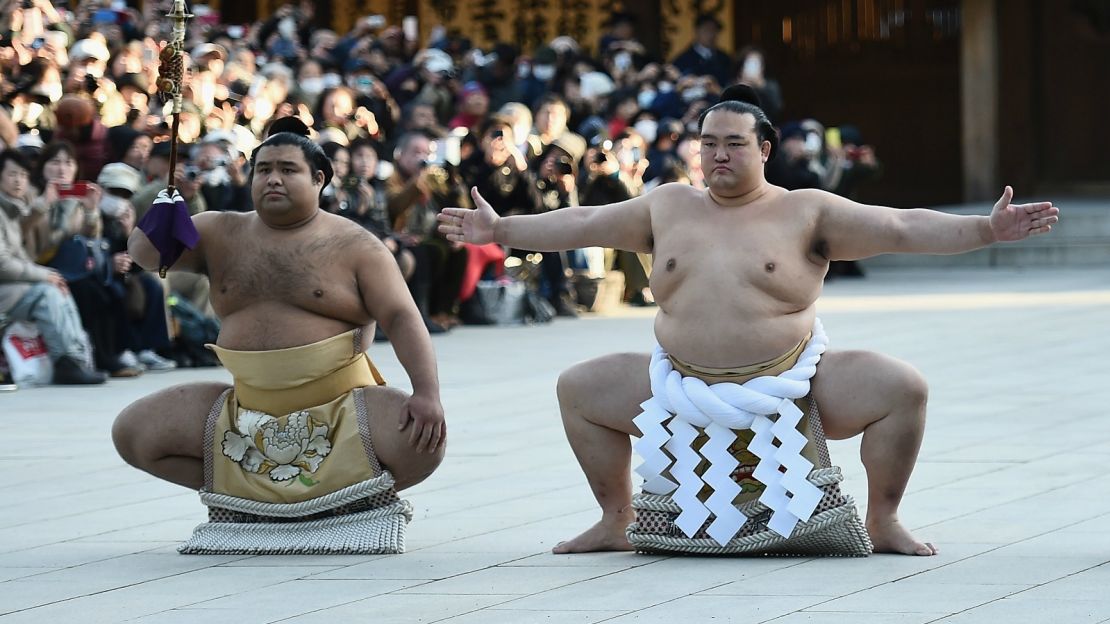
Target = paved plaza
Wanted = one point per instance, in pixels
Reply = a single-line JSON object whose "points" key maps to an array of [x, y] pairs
{"points": [[1013, 486]]}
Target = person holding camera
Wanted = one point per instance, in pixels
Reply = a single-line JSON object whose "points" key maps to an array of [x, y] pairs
{"points": [[354, 193], [552, 115], [416, 191], [187, 180], [222, 181], [555, 171], [137, 297], [65, 232], [35, 293], [753, 72], [802, 161]]}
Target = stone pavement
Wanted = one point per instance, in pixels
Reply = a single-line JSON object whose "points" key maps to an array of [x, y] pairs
{"points": [[1012, 486]]}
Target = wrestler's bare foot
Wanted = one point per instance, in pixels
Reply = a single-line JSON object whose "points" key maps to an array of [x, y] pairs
{"points": [[889, 536], [608, 534]]}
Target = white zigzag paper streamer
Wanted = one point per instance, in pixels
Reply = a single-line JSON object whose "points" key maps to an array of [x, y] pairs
{"points": [[719, 409], [650, 448]]}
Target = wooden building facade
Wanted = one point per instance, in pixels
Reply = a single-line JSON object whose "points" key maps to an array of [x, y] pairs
{"points": [[958, 96]]}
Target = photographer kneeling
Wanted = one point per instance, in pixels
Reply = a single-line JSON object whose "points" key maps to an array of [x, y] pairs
{"points": [[416, 191]]}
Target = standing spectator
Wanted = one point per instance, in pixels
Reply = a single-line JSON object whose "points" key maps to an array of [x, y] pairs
{"points": [[703, 57], [621, 36]]}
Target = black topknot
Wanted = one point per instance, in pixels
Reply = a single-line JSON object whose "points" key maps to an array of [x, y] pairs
{"points": [[741, 92], [289, 124]]}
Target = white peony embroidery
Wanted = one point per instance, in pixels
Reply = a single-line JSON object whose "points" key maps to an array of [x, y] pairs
{"points": [[263, 445]]}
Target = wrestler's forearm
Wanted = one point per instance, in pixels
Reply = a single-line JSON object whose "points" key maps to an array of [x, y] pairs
{"points": [[928, 231], [413, 347], [557, 230], [141, 250]]}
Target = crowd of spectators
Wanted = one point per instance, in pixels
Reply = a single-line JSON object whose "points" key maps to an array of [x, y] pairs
{"points": [[409, 126]]}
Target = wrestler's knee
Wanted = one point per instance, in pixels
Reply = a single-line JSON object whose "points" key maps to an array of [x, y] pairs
{"points": [[392, 445], [126, 431], [121, 436], [910, 388], [419, 467], [577, 382]]}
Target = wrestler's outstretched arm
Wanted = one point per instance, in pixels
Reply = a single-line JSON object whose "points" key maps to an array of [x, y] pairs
{"points": [[145, 254], [851, 231], [387, 298], [623, 225]]}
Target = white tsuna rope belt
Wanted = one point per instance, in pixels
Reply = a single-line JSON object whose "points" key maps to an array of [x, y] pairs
{"points": [[719, 409]]}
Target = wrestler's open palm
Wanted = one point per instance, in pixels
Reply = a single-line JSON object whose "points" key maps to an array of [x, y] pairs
{"points": [[423, 416], [1014, 222], [469, 226]]}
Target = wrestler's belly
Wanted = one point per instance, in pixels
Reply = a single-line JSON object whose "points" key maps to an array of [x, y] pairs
{"points": [[268, 325], [717, 338]]}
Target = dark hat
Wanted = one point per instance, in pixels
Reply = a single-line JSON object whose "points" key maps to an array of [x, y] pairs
{"points": [[572, 144], [121, 138], [850, 135], [621, 17], [707, 18], [544, 56], [791, 130], [134, 81], [163, 149], [74, 111]]}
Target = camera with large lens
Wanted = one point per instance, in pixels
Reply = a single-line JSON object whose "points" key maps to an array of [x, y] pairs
{"points": [[563, 166]]}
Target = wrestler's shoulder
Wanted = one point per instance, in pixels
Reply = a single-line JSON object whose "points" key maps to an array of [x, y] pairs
{"points": [[215, 221], [803, 196], [676, 189], [673, 193], [345, 232]]}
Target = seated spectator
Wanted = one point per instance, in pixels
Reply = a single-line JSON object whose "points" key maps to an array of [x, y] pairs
{"points": [[355, 192], [60, 211], [130, 146], [797, 162], [79, 124], [753, 72], [551, 118], [473, 107], [555, 173], [187, 180], [140, 307], [30, 292]]}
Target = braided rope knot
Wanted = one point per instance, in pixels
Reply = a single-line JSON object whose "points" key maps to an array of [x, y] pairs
{"points": [[720, 409]]}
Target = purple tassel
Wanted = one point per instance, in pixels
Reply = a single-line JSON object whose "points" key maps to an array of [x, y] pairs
{"points": [[170, 229]]}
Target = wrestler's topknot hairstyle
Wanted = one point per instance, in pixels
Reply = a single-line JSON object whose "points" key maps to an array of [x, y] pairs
{"points": [[742, 99], [293, 131]]}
